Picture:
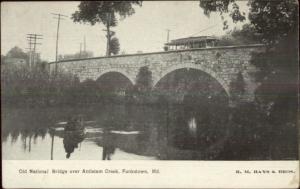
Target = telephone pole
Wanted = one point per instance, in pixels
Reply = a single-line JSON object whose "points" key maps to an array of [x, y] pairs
{"points": [[58, 17], [80, 51], [168, 33], [84, 45], [32, 42]]}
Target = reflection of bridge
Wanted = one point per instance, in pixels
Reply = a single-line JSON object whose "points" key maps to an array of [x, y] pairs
{"points": [[222, 63]]}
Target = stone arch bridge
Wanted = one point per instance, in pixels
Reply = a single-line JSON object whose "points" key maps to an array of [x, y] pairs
{"points": [[222, 63]]}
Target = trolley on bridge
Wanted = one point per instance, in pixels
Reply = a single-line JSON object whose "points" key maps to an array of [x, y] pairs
{"points": [[191, 42]]}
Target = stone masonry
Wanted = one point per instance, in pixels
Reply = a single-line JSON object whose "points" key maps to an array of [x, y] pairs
{"points": [[222, 63]]}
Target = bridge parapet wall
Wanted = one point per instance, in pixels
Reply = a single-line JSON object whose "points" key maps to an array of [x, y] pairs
{"points": [[222, 63]]}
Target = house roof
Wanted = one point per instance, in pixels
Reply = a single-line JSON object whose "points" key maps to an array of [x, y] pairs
{"points": [[182, 41]]}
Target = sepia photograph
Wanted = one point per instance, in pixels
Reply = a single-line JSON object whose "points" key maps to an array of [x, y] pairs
{"points": [[205, 80]]}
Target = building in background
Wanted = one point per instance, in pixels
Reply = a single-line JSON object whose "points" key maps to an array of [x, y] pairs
{"points": [[15, 61], [79, 55], [16, 57]]}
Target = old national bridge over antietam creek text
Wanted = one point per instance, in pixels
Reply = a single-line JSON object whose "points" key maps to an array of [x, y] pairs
{"points": [[222, 63]]}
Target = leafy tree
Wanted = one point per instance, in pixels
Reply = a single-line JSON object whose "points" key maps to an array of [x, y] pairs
{"points": [[114, 46], [143, 84], [274, 23], [104, 12], [246, 35], [144, 79], [35, 87], [16, 52], [272, 20], [223, 6]]}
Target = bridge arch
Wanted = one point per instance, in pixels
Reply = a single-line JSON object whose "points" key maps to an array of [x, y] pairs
{"points": [[122, 72], [193, 66]]}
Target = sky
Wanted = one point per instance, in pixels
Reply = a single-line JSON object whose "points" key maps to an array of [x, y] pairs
{"points": [[144, 31]]}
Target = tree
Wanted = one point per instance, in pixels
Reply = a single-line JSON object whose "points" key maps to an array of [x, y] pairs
{"points": [[265, 17], [114, 46], [144, 79], [16, 52], [275, 24], [104, 12], [246, 35], [270, 16], [143, 85], [222, 6]]}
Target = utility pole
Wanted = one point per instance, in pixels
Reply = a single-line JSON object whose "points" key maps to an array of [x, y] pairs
{"points": [[29, 50], [168, 33], [32, 41], [80, 51], [59, 17], [84, 44]]}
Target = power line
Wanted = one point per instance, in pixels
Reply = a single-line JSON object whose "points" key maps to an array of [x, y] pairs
{"points": [[32, 42], [205, 29], [59, 17]]}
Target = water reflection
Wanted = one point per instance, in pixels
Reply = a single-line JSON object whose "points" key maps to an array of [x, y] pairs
{"points": [[73, 134], [71, 141], [14, 135], [162, 131], [108, 144]]}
